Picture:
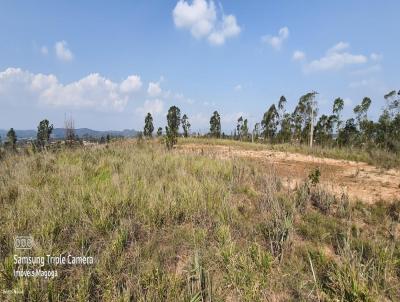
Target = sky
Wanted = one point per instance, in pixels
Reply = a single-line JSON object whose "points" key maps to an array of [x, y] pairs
{"points": [[107, 63]]}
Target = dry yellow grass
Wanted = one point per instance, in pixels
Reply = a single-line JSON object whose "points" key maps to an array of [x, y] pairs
{"points": [[167, 226]]}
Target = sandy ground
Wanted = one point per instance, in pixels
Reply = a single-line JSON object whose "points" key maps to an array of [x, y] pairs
{"points": [[360, 181]]}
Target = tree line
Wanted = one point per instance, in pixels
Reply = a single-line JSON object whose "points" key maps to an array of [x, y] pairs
{"points": [[276, 126], [302, 126]]}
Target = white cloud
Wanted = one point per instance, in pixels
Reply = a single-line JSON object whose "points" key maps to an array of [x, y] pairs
{"points": [[92, 91], [154, 89], [155, 107], [238, 87], [341, 46], [298, 55], [336, 58], [63, 52], [277, 41], [200, 17], [44, 50], [131, 84], [376, 56], [229, 28]]}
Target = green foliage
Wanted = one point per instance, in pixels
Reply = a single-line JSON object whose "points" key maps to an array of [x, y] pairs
{"points": [[148, 126], [338, 105], [159, 131], [185, 125], [302, 116], [173, 121], [349, 134], [43, 133], [270, 122], [323, 131], [215, 125], [314, 176], [242, 129], [11, 139]]}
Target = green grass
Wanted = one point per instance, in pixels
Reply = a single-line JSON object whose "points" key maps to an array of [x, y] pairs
{"points": [[163, 226], [376, 157]]}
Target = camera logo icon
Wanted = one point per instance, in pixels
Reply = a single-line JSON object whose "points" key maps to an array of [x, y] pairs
{"points": [[23, 242]]}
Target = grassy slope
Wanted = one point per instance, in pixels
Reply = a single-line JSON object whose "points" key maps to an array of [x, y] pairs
{"points": [[376, 157], [166, 226]]}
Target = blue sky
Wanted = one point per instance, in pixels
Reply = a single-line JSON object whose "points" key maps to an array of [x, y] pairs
{"points": [[107, 63]]}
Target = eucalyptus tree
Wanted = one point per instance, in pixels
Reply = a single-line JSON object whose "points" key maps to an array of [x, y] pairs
{"points": [[173, 121], [148, 126], [244, 130], [281, 105], [365, 126], [270, 123], [159, 131], [388, 126], [304, 117], [348, 134], [324, 130], [185, 125], [215, 125], [239, 127], [285, 132], [43, 133], [256, 131], [11, 139], [338, 105]]}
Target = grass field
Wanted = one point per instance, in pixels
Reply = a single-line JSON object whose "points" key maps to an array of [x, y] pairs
{"points": [[167, 226]]}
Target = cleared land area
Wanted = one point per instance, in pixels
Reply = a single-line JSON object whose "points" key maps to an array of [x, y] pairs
{"points": [[359, 180]]}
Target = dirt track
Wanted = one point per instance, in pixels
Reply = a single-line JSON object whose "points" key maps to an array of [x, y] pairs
{"points": [[359, 180]]}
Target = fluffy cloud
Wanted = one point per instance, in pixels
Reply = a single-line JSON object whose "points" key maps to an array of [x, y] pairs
{"points": [[131, 84], [155, 107], [92, 91], [227, 29], [62, 51], [298, 55], [154, 89], [200, 17], [336, 58], [277, 41]]}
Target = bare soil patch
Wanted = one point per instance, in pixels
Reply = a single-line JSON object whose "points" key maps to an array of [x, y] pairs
{"points": [[359, 180]]}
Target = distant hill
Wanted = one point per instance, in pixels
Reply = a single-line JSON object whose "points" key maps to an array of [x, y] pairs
{"points": [[59, 133]]}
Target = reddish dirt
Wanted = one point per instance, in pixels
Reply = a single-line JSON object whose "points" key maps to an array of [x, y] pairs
{"points": [[359, 180]]}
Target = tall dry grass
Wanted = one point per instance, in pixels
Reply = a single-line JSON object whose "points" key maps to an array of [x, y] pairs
{"points": [[166, 226]]}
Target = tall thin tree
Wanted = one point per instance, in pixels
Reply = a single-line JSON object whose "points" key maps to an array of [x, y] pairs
{"points": [[148, 125], [215, 125], [185, 125]]}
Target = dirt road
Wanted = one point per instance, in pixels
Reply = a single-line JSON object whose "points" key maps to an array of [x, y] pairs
{"points": [[358, 180]]}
